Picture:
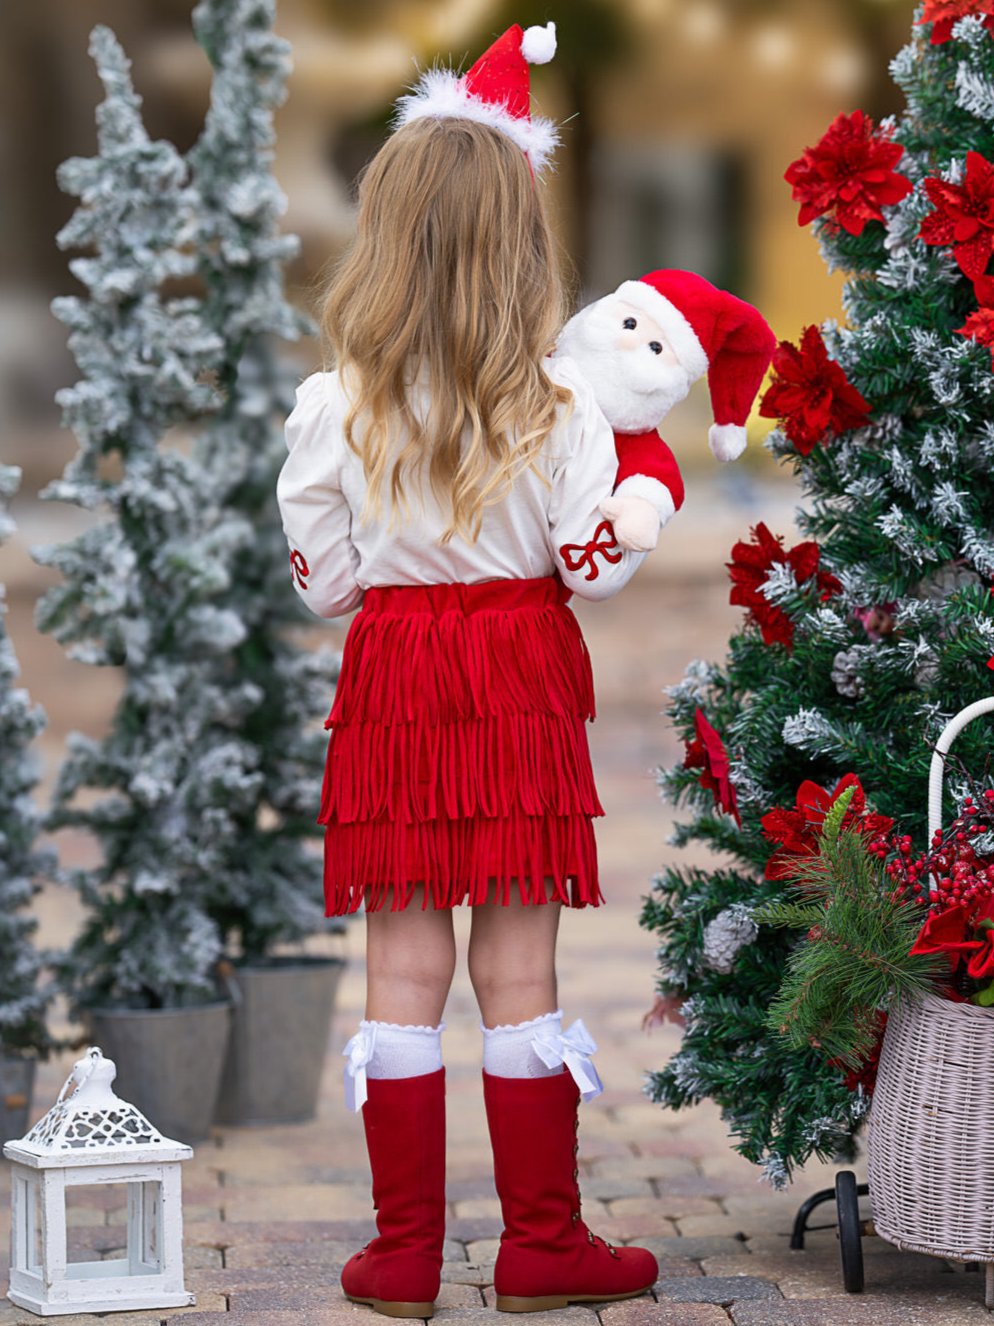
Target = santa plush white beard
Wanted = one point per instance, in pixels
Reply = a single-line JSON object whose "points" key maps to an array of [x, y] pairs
{"points": [[634, 388]]}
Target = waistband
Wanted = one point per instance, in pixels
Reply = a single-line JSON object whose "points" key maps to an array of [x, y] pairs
{"points": [[485, 596]]}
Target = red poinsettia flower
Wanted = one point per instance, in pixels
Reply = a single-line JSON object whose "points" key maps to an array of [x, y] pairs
{"points": [[964, 215], [948, 932], [707, 753], [979, 326], [796, 828], [751, 564], [944, 14], [980, 964], [810, 394], [849, 173]]}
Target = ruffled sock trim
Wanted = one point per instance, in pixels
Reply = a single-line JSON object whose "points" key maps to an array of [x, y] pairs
{"points": [[522, 1026], [398, 1026]]}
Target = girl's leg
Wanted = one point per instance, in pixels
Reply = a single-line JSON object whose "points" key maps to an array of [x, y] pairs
{"points": [[547, 1256], [512, 961], [410, 960]]}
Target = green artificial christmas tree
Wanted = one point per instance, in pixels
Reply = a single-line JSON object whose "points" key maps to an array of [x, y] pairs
{"points": [[24, 998], [861, 641]]}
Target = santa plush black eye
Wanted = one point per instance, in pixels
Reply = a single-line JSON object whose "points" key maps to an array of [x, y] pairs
{"points": [[655, 347], [629, 324]]}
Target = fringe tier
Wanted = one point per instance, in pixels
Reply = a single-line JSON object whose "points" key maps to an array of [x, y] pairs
{"points": [[458, 750]]}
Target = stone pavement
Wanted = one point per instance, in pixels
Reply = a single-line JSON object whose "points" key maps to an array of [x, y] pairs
{"points": [[271, 1214]]}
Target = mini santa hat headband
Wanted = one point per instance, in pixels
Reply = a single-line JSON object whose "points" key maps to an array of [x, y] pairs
{"points": [[714, 332], [494, 91]]}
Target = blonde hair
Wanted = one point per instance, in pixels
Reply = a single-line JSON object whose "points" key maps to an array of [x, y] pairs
{"points": [[453, 272]]}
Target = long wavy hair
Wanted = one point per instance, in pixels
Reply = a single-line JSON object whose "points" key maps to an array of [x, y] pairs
{"points": [[453, 280]]}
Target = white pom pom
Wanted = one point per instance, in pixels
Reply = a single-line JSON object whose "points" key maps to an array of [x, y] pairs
{"points": [[728, 441], [538, 45]]}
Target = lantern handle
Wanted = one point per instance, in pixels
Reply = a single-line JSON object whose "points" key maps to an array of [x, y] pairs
{"points": [[81, 1071], [949, 734]]}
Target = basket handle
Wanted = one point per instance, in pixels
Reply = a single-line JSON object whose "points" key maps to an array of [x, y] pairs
{"points": [[949, 734]]}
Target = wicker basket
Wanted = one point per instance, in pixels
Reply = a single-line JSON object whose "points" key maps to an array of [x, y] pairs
{"points": [[930, 1143]]}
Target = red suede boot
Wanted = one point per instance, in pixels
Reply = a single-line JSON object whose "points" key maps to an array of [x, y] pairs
{"points": [[548, 1257], [398, 1273]]}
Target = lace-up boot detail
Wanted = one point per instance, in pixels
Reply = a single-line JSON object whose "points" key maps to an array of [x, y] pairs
{"points": [[548, 1257]]}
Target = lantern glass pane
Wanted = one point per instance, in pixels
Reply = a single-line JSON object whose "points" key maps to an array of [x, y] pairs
{"points": [[145, 1221], [113, 1228], [36, 1257], [26, 1241], [95, 1221]]}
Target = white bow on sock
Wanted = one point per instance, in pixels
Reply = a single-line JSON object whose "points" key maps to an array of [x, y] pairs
{"points": [[572, 1048]]}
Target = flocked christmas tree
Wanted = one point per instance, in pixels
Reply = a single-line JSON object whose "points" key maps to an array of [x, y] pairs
{"points": [[213, 756], [268, 889], [24, 997], [141, 586], [863, 639]]}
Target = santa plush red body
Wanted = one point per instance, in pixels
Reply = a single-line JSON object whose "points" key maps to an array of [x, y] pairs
{"points": [[642, 348]]}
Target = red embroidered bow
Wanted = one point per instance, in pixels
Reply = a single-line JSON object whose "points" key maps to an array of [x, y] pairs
{"points": [[299, 570], [577, 555]]}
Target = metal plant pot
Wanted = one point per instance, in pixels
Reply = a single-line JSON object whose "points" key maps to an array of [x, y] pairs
{"points": [[169, 1061], [279, 1037], [17, 1078]]}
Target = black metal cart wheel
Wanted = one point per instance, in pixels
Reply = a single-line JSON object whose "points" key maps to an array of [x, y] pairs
{"points": [[850, 1231]]}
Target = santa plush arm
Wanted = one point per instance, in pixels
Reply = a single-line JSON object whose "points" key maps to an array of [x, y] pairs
{"points": [[647, 468], [648, 489]]}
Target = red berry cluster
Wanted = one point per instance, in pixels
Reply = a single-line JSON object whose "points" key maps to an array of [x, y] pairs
{"points": [[950, 872]]}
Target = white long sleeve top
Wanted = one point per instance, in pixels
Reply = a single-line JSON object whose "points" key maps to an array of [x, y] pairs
{"points": [[537, 529]]}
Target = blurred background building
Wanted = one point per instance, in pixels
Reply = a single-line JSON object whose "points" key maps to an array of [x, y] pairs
{"points": [[679, 117]]}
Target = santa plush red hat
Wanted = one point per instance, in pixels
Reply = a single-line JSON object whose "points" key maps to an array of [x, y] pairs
{"points": [[714, 332], [495, 91]]}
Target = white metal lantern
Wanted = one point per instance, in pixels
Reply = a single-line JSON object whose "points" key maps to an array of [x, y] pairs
{"points": [[91, 1136]]}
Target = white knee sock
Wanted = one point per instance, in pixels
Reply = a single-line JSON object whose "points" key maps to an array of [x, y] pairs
{"points": [[510, 1051], [387, 1050], [540, 1048]]}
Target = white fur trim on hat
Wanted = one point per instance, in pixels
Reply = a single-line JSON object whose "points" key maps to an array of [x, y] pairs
{"points": [[440, 94], [679, 332], [727, 441], [538, 45]]}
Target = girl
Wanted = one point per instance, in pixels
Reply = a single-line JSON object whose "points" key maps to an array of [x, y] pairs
{"points": [[447, 478]]}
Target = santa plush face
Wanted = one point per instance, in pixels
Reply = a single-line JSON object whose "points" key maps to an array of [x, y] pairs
{"points": [[628, 360]]}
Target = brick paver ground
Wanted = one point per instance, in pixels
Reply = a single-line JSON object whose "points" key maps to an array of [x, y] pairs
{"points": [[271, 1214]]}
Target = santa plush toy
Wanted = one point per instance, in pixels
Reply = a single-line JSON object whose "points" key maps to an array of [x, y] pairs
{"points": [[641, 349]]}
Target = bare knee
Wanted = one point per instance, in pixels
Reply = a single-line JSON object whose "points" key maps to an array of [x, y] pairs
{"points": [[495, 979], [419, 972], [512, 961], [508, 994], [410, 962]]}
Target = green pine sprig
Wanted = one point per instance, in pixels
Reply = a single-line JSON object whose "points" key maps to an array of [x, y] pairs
{"points": [[854, 958]]}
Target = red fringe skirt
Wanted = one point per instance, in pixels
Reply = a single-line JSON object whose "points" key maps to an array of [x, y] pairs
{"points": [[458, 750]]}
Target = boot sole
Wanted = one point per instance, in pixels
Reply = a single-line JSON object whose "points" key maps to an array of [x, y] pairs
{"points": [[395, 1308], [549, 1302]]}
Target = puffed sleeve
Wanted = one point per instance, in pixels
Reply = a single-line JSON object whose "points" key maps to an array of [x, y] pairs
{"points": [[587, 555], [317, 521]]}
